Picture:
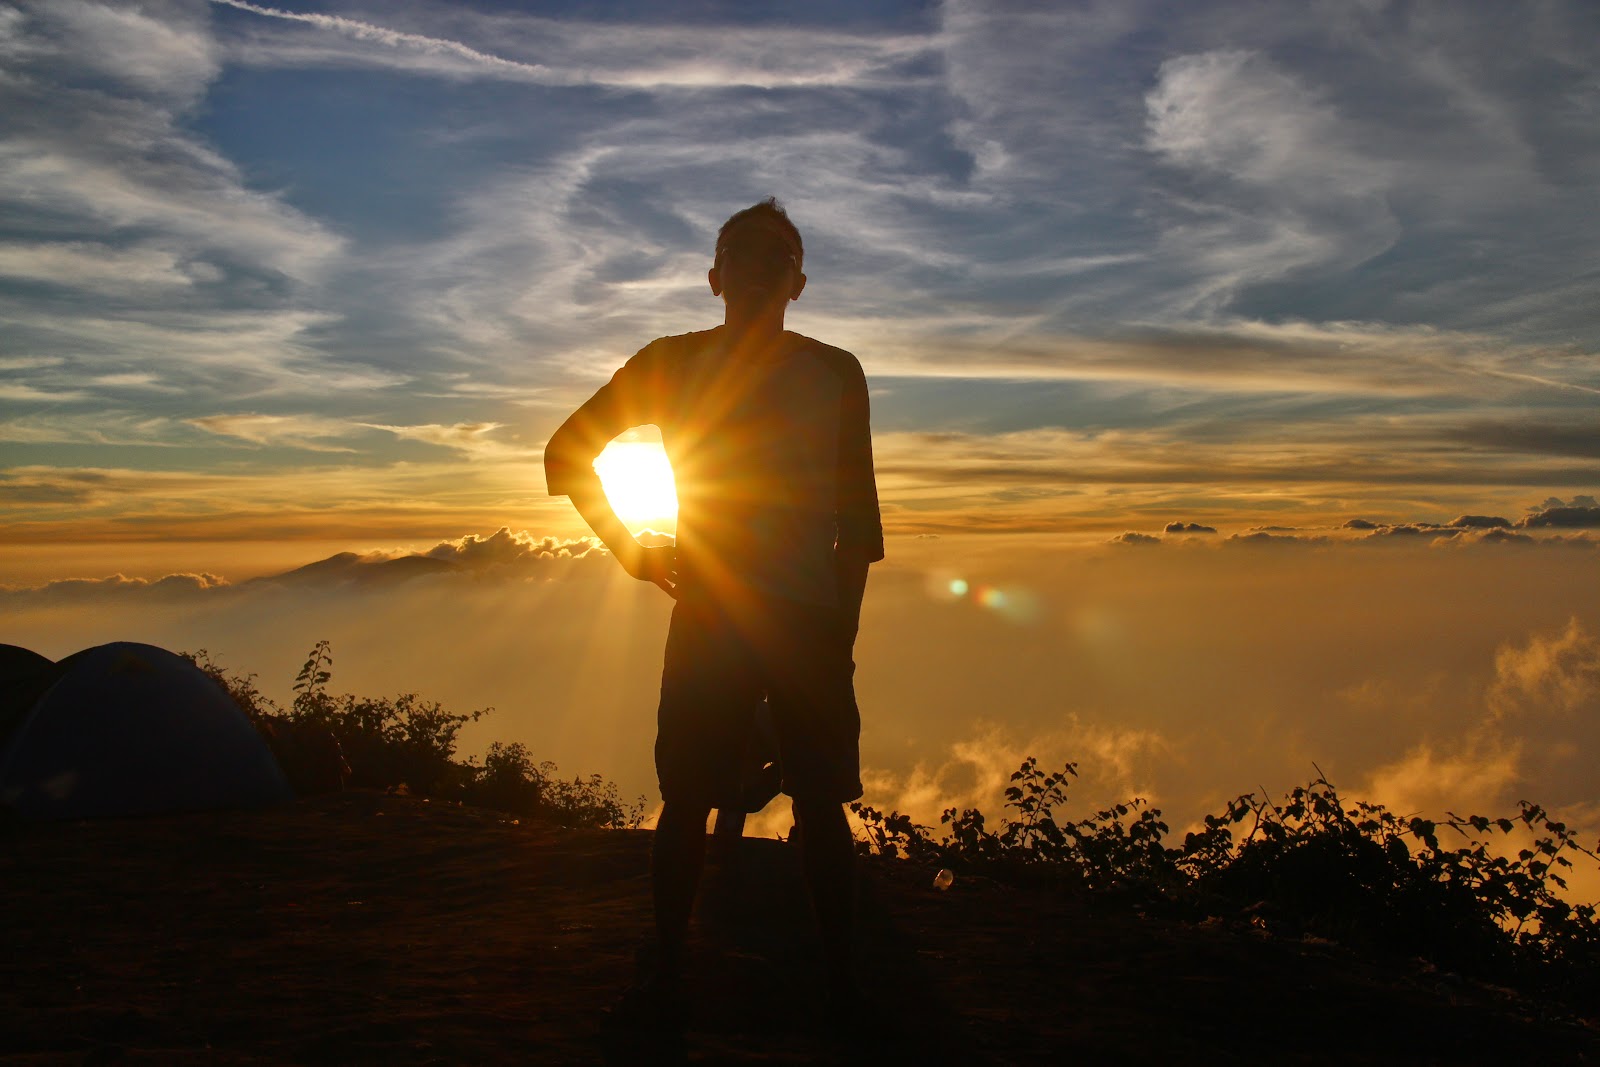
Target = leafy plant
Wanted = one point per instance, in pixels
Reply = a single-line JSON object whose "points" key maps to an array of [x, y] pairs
{"points": [[1311, 864], [387, 741], [511, 781], [256, 705], [1119, 846], [408, 743]]}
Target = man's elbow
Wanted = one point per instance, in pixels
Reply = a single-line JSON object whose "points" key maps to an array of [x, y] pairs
{"points": [[564, 463]]}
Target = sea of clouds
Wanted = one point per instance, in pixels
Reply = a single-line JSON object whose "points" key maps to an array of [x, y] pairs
{"points": [[1452, 667]]}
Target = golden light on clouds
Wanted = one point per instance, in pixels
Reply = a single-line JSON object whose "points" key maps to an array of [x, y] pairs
{"points": [[638, 481]]}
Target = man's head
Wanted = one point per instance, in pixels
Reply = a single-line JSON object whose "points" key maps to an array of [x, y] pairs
{"points": [[759, 257]]}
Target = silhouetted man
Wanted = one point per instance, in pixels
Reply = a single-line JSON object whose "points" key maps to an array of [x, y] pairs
{"points": [[778, 520]]}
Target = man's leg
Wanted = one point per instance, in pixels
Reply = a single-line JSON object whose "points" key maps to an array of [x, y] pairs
{"points": [[828, 854], [675, 862], [707, 696], [726, 833], [813, 706]]}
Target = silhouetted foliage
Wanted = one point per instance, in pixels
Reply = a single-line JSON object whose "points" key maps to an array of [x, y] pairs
{"points": [[387, 741], [1308, 865], [510, 781], [1311, 865], [408, 744]]}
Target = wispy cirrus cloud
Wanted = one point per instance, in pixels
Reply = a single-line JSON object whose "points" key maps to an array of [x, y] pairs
{"points": [[1289, 184], [298, 431], [469, 438], [140, 273], [567, 52], [1274, 163], [99, 268], [28, 394], [1244, 356], [1198, 226], [160, 50], [217, 356], [428, 54]]}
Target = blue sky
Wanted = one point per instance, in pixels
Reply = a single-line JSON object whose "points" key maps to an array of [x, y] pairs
{"points": [[337, 270]]}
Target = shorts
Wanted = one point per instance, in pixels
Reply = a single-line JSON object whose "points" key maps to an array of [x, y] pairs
{"points": [[720, 664]]}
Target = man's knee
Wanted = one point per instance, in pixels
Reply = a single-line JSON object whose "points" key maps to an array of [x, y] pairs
{"points": [[682, 818], [821, 818]]}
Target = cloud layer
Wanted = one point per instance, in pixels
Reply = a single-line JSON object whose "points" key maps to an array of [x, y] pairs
{"points": [[1424, 678], [1199, 250]]}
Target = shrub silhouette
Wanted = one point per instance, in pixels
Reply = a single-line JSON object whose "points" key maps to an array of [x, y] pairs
{"points": [[1308, 865], [388, 742], [408, 744], [1359, 874], [510, 781]]}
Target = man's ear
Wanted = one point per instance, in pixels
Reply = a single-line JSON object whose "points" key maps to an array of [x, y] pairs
{"points": [[798, 287], [714, 279]]}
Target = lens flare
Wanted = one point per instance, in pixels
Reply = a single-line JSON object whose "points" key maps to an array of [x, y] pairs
{"points": [[1012, 603], [1017, 605]]}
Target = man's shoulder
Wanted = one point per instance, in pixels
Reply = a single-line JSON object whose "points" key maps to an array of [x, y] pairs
{"points": [[664, 363], [838, 360], [678, 345]]}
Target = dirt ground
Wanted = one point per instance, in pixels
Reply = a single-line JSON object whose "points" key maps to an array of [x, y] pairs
{"points": [[363, 928]]}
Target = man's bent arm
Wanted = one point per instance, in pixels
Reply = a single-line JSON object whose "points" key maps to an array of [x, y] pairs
{"points": [[647, 564], [589, 497], [569, 471]]}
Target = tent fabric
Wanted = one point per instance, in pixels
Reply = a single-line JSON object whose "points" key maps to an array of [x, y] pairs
{"points": [[24, 675], [131, 729], [16, 663]]}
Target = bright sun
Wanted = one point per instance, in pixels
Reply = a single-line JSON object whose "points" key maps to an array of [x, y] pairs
{"points": [[637, 477]]}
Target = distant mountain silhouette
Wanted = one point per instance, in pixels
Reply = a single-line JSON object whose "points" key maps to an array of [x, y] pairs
{"points": [[351, 567]]}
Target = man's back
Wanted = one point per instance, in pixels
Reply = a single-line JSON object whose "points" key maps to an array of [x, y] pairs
{"points": [[770, 450]]}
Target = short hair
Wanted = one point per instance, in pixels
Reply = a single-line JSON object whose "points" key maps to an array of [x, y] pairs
{"points": [[769, 214]]}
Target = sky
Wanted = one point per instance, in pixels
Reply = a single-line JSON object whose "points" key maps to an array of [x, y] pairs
{"points": [[1308, 283]]}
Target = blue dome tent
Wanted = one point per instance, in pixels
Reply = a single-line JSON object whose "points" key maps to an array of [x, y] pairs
{"points": [[125, 729]]}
